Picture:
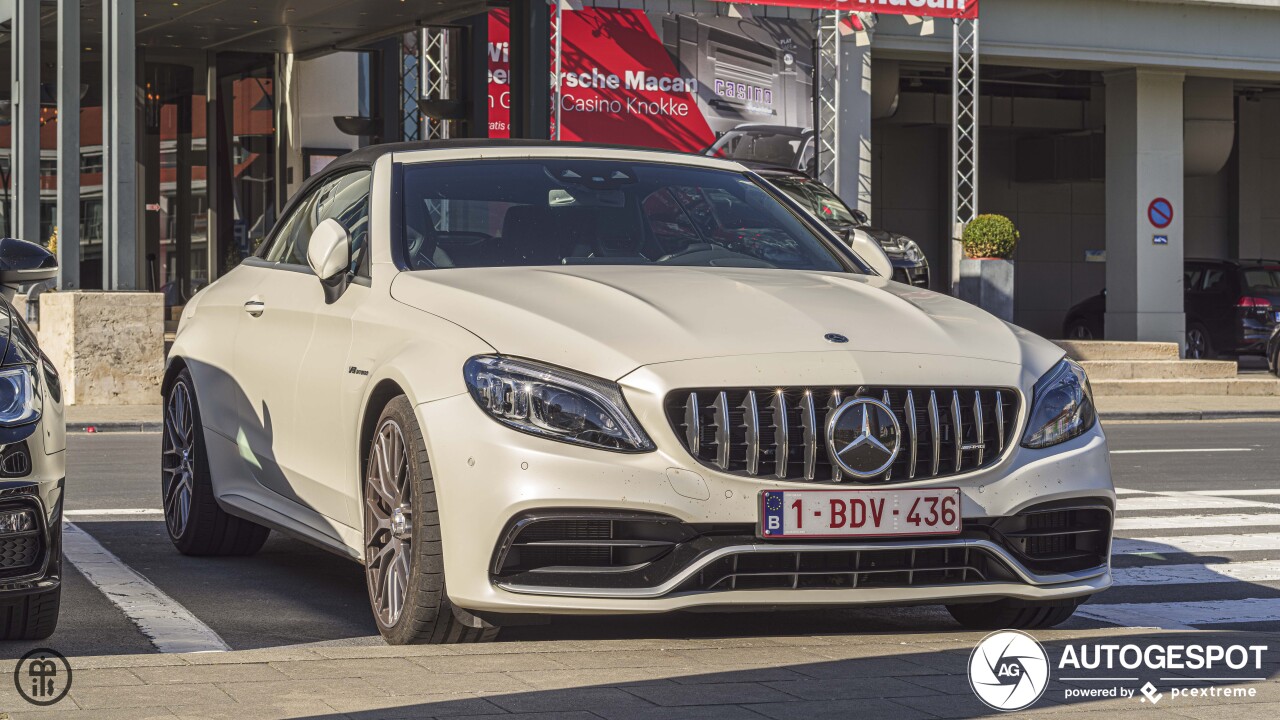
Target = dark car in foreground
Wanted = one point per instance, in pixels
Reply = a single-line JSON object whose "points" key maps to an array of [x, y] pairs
{"points": [[909, 263], [1231, 306], [32, 452]]}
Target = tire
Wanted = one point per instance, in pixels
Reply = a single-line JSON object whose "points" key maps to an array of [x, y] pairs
{"points": [[1199, 346], [1079, 330], [30, 617], [404, 566], [1013, 614], [197, 525]]}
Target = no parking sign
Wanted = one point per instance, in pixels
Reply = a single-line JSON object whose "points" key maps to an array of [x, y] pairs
{"points": [[1160, 213]]}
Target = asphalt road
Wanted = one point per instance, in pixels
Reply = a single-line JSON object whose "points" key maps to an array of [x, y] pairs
{"points": [[291, 593]]}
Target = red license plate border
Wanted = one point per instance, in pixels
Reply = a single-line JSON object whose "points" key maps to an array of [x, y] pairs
{"points": [[763, 494]]}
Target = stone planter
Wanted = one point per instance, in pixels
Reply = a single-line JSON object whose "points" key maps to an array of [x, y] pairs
{"points": [[108, 346], [988, 283]]}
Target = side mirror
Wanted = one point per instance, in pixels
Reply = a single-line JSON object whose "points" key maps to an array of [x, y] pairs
{"points": [[23, 262], [329, 250], [329, 255], [870, 252]]}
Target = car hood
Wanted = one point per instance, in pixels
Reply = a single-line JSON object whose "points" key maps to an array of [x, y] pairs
{"points": [[609, 320]]}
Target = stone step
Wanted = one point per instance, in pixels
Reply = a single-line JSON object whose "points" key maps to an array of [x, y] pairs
{"points": [[1116, 350], [1239, 387], [1159, 369]]}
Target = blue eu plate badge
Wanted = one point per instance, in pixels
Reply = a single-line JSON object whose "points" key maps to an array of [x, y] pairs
{"points": [[773, 505]]}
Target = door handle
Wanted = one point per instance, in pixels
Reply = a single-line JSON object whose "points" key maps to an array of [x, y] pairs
{"points": [[255, 307]]}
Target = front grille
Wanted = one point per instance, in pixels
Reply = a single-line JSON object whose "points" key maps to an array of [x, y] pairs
{"points": [[779, 433], [853, 568]]}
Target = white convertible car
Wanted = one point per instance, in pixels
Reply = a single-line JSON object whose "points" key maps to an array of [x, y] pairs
{"points": [[520, 380]]}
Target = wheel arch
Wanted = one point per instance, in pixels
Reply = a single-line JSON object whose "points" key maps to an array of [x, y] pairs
{"points": [[174, 367], [383, 392]]}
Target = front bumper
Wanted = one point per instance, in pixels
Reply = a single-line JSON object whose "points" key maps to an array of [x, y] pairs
{"points": [[488, 476], [31, 561]]}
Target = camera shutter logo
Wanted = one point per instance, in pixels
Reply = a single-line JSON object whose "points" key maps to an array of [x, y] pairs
{"points": [[1009, 670], [42, 677]]}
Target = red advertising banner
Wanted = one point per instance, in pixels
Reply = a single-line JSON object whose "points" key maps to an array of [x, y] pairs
{"points": [[672, 81], [967, 9]]}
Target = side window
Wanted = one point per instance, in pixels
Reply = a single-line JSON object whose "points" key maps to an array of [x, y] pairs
{"points": [[344, 198], [1192, 276], [1215, 280], [280, 244]]}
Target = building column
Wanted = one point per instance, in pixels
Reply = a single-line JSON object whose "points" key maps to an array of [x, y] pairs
{"points": [[1250, 136], [1144, 161], [531, 76], [25, 119], [853, 125], [119, 151], [68, 217]]}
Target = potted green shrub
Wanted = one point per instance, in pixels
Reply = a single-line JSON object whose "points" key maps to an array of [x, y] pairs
{"points": [[986, 271]]}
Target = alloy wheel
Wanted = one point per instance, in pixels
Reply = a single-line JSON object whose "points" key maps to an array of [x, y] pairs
{"points": [[178, 459], [388, 522]]}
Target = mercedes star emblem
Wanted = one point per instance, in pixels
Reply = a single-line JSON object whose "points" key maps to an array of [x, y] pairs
{"points": [[863, 437]]}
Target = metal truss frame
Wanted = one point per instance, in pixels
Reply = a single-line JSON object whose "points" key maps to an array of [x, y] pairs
{"points": [[965, 99], [827, 100], [434, 77]]}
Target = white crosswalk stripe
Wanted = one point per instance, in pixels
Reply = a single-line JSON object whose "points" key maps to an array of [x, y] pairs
{"points": [[1195, 544], [1193, 560], [1179, 522]]}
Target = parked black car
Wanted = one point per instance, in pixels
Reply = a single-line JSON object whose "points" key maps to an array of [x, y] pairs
{"points": [[776, 145], [1232, 307], [909, 263], [32, 452]]}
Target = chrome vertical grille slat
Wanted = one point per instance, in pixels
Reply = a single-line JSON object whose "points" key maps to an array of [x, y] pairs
{"points": [[693, 424], [753, 432], [721, 407], [809, 428], [751, 420], [913, 441], [935, 431], [977, 425], [832, 403], [781, 434], [957, 429], [1000, 421]]}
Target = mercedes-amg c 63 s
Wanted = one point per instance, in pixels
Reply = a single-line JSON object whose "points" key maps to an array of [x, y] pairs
{"points": [[521, 380]]}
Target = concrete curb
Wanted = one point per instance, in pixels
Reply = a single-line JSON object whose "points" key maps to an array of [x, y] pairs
{"points": [[1158, 415], [116, 426]]}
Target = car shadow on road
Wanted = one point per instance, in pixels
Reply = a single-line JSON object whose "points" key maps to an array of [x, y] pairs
{"points": [[872, 675]]}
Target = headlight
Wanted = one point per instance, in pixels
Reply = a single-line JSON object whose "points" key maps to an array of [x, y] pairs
{"points": [[17, 397], [911, 251], [555, 403], [1061, 407]]}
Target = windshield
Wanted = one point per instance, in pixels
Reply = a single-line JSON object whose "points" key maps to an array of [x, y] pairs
{"points": [[499, 213], [817, 197], [764, 146]]}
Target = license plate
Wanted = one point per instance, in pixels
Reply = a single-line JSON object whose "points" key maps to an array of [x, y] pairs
{"points": [[859, 513], [1277, 316]]}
